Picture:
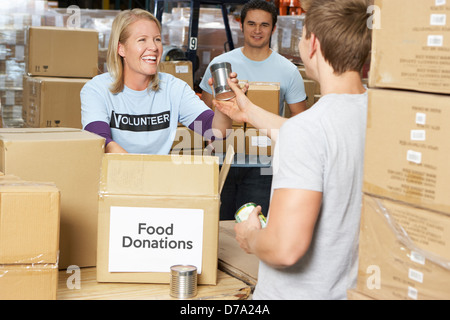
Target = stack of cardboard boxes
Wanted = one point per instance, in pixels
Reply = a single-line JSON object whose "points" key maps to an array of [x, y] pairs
{"points": [[405, 224], [29, 239], [71, 159], [59, 61]]}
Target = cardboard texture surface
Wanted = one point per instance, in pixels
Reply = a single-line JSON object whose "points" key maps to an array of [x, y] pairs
{"points": [[29, 222], [406, 153], [179, 69], [52, 102], [410, 46], [46, 56], [183, 182], [28, 282], [71, 159], [391, 265]]}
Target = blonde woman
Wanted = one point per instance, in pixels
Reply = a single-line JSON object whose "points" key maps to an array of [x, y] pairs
{"points": [[135, 107]]}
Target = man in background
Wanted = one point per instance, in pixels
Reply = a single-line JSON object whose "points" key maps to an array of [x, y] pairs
{"points": [[256, 61]]}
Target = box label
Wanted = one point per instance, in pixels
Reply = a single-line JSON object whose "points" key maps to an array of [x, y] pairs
{"points": [[154, 239]]}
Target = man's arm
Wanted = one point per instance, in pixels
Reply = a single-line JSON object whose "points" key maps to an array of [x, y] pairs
{"points": [[292, 217], [241, 109], [207, 98], [296, 108]]}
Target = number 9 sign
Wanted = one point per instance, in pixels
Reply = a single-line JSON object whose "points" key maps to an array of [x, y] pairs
{"points": [[193, 43]]}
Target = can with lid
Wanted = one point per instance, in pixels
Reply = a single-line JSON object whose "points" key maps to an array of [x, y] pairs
{"points": [[183, 281], [220, 72], [244, 211]]}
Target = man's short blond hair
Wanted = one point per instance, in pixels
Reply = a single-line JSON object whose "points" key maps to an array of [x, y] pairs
{"points": [[341, 28]]}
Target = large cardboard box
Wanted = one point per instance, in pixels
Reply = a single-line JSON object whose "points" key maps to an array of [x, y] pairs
{"points": [[257, 142], [52, 102], [265, 95], [28, 282], [29, 239], [62, 52], [235, 138], [29, 221], [179, 69], [410, 46], [403, 252], [186, 140], [71, 159], [156, 211], [406, 153]]}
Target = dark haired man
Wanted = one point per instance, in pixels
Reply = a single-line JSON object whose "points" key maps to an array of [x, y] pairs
{"points": [[256, 61]]}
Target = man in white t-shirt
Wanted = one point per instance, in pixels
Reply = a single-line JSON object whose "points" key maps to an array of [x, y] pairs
{"points": [[309, 248], [256, 61]]}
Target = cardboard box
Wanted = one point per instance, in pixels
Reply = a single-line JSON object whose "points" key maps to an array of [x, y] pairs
{"points": [[179, 69], [71, 159], [428, 230], [52, 102], [265, 95], [62, 52], [353, 294], [392, 265], [257, 142], [406, 152], [186, 140], [29, 221], [410, 46], [235, 138], [28, 282], [156, 211]]}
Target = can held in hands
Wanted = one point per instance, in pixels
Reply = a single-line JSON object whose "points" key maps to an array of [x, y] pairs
{"points": [[244, 211], [220, 72], [183, 281]]}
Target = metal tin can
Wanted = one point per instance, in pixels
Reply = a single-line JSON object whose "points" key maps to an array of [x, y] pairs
{"points": [[244, 211], [220, 72], [183, 281]]}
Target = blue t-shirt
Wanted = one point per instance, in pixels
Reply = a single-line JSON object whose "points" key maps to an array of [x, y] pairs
{"points": [[275, 68], [141, 121]]}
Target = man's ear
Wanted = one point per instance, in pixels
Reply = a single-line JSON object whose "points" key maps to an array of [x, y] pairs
{"points": [[274, 28], [314, 45]]}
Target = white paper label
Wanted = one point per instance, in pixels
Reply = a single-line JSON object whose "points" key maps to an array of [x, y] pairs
{"points": [[181, 69], [435, 41], [261, 141], [440, 2], [154, 239], [438, 19], [412, 293], [417, 257], [415, 275], [414, 156], [418, 135], [421, 118]]}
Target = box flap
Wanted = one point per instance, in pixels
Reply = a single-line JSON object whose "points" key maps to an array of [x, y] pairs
{"points": [[142, 174], [229, 156], [45, 134]]}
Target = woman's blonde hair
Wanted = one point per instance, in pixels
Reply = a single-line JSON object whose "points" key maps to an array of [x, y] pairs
{"points": [[119, 34]]}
